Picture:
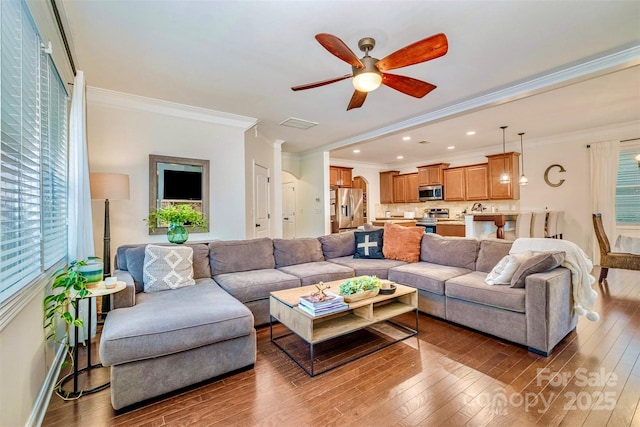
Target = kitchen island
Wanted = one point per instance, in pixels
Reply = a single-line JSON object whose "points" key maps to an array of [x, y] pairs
{"points": [[478, 223]]}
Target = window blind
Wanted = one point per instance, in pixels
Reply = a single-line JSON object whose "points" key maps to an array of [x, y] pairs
{"points": [[32, 153], [628, 186]]}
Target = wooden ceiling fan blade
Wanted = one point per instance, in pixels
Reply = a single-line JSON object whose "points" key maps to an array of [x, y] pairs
{"points": [[407, 85], [322, 83], [338, 48], [420, 51], [357, 100]]}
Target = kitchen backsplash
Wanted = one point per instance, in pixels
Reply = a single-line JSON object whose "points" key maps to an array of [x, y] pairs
{"points": [[455, 208]]}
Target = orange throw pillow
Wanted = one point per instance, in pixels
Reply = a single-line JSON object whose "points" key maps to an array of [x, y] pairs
{"points": [[402, 243]]}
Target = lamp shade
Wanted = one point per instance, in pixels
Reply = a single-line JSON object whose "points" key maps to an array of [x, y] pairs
{"points": [[109, 186]]}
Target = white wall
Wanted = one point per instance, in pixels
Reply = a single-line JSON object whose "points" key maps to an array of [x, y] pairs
{"points": [[121, 137]]}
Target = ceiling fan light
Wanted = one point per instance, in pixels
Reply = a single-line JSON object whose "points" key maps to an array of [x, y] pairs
{"points": [[524, 180], [366, 82]]}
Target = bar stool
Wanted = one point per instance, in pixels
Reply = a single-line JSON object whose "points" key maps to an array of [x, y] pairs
{"points": [[552, 224], [560, 225], [522, 228], [538, 224]]}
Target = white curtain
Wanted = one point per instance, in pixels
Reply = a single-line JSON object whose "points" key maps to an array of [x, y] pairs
{"points": [[80, 224], [604, 174]]}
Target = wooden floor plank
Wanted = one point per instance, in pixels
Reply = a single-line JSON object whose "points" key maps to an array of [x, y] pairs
{"points": [[447, 375]]}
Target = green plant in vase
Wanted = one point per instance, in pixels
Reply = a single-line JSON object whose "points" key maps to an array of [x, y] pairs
{"points": [[68, 287], [175, 217]]}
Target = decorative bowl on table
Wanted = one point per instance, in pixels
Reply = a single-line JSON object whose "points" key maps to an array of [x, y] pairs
{"points": [[390, 289], [359, 288]]}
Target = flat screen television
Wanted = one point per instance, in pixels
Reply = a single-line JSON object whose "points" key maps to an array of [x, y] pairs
{"points": [[182, 185]]}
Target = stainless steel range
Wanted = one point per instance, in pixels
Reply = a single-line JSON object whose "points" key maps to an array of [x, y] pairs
{"points": [[430, 219]]}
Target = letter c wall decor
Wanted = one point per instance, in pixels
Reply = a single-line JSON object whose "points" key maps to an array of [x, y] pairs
{"points": [[546, 175]]}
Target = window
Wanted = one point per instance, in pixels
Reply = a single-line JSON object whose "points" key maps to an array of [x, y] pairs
{"points": [[33, 154], [628, 185]]}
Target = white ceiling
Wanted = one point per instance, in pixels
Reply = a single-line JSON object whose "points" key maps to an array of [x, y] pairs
{"points": [[242, 57]]}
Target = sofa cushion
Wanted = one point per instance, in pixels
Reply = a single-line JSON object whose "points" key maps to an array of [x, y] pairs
{"points": [[255, 284], [133, 259], [368, 244], [472, 287], [241, 255], [368, 267], [311, 273], [297, 251], [338, 245], [402, 243], [164, 323], [490, 253], [539, 263], [167, 268], [425, 276], [502, 273], [452, 251]]}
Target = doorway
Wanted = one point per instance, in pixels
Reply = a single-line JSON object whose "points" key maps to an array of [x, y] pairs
{"points": [[289, 183], [261, 216]]}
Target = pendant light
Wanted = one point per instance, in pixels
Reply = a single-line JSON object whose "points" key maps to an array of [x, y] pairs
{"points": [[504, 178], [523, 178]]}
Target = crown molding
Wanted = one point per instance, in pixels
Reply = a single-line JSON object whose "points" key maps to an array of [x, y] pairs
{"points": [[589, 69], [110, 98]]}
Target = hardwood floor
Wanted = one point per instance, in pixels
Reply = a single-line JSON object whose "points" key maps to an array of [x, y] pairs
{"points": [[446, 375]]}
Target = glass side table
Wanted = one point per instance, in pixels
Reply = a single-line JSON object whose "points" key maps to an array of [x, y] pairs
{"points": [[98, 291]]}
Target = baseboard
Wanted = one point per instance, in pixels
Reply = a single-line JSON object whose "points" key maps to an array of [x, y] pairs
{"points": [[42, 402]]}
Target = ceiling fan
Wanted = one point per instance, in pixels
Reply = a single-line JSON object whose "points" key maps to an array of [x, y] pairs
{"points": [[368, 72]]}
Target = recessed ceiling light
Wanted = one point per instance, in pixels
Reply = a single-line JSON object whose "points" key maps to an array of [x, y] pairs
{"points": [[400, 157], [451, 147], [356, 151], [406, 138], [471, 132]]}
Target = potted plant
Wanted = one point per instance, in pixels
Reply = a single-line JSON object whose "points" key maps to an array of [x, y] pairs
{"points": [[359, 288], [68, 287], [176, 217]]}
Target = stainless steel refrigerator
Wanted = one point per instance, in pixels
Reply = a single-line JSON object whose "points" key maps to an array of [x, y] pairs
{"points": [[348, 208]]}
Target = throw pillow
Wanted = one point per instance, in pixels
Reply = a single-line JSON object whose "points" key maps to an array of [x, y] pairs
{"points": [[402, 243], [369, 244], [502, 273], [167, 267], [539, 263], [135, 265]]}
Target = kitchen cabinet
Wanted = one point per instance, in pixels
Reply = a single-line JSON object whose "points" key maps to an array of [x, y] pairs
{"points": [[476, 182], [339, 176], [386, 186], [499, 163], [454, 184], [405, 188], [432, 174], [456, 230]]}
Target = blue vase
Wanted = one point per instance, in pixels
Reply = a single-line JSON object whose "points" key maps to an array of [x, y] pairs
{"points": [[177, 233]]}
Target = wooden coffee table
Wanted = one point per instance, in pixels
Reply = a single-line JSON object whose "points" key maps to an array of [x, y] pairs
{"points": [[362, 314]]}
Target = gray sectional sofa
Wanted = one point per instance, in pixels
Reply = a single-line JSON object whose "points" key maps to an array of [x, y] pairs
{"points": [[163, 341]]}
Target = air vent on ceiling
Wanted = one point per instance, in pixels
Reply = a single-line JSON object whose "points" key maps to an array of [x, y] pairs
{"points": [[292, 122], [424, 142]]}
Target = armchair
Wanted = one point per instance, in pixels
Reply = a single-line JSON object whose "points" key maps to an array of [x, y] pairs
{"points": [[610, 259]]}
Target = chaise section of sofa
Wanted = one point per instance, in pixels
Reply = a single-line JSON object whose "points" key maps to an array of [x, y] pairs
{"points": [[162, 341]]}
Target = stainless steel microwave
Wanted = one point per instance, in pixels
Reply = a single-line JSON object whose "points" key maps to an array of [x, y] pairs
{"points": [[430, 192]]}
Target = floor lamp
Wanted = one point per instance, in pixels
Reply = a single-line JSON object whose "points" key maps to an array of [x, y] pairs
{"points": [[108, 186]]}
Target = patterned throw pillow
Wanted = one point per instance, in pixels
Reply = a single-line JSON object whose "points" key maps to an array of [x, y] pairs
{"points": [[167, 267], [369, 244]]}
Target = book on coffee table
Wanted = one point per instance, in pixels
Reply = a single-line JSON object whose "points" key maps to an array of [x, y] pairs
{"points": [[331, 303]]}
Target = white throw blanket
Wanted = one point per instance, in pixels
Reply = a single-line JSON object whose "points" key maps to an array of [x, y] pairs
{"points": [[577, 262]]}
